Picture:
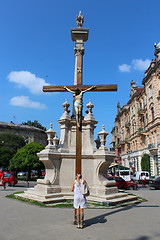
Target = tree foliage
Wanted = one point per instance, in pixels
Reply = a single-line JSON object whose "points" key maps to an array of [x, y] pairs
{"points": [[26, 158], [145, 163], [9, 144], [34, 124]]}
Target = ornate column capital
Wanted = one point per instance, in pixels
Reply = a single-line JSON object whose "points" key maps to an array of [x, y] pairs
{"points": [[79, 50]]}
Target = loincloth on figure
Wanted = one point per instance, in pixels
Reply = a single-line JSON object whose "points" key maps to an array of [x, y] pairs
{"points": [[78, 104]]}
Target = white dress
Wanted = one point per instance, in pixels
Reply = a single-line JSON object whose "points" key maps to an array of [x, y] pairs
{"points": [[79, 198]]}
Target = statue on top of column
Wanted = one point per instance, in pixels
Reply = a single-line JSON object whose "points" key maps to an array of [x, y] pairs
{"points": [[79, 20]]}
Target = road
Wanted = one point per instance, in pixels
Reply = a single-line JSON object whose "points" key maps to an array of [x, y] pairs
{"points": [[21, 220]]}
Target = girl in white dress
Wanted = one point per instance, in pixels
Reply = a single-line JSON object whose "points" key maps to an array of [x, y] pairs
{"points": [[79, 199]]}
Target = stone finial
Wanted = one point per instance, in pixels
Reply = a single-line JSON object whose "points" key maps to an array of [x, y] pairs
{"points": [[55, 141], [103, 134], [65, 115], [50, 134], [118, 107], [89, 115], [66, 106], [157, 46], [98, 142], [133, 84], [89, 106], [79, 20], [133, 88], [157, 51]]}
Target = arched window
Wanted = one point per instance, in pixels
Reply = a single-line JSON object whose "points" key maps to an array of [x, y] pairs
{"points": [[152, 113]]}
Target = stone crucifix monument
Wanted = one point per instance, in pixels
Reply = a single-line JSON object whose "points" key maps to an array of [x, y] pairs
{"points": [[79, 35], [75, 151]]}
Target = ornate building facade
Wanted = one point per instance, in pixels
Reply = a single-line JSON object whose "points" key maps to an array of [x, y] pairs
{"points": [[30, 134], [137, 124]]}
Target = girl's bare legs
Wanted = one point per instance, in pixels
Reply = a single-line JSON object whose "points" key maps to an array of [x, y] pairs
{"points": [[78, 217], [81, 217]]}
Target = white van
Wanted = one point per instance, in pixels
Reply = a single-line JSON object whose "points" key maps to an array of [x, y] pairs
{"points": [[137, 176], [125, 174]]}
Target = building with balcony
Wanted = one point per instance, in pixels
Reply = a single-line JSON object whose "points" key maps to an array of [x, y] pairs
{"points": [[30, 133], [137, 124]]}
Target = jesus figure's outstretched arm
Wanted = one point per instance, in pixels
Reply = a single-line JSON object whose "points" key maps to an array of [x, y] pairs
{"points": [[69, 90], [88, 89]]}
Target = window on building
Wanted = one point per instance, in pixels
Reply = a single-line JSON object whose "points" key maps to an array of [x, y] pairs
{"points": [[136, 145], [155, 133], [140, 105], [156, 168], [144, 122], [152, 113], [145, 141], [151, 92], [152, 138], [118, 152]]}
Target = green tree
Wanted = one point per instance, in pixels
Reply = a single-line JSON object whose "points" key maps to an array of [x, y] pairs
{"points": [[145, 163], [9, 144], [34, 124], [26, 159]]}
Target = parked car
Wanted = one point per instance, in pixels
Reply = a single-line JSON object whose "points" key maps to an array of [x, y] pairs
{"points": [[155, 183], [22, 174], [125, 174], [122, 184], [34, 173], [43, 173], [9, 179], [137, 176]]}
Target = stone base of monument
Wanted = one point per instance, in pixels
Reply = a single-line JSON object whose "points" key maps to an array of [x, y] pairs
{"points": [[110, 199], [59, 161], [106, 194]]}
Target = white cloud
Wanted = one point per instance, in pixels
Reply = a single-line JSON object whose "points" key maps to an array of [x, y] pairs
{"points": [[24, 101], [136, 64], [28, 80], [124, 68], [140, 65]]}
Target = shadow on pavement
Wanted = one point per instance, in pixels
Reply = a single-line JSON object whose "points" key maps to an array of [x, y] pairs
{"points": [[102, 218], [147, 237]]}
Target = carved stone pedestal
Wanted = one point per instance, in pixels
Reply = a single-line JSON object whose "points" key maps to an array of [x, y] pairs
{"points": [[59, 161]]}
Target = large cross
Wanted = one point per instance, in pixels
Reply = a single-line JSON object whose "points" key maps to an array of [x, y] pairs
{"points": [[79, 35]]}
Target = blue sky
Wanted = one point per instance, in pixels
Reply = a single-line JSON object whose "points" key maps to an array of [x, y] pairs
{"points": [[36, 49]]}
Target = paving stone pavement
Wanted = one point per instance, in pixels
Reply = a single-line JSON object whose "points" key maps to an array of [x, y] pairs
{"points": [[22, 221]]}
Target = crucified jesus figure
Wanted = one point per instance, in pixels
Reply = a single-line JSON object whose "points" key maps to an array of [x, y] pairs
{"points": [[78, 104]]}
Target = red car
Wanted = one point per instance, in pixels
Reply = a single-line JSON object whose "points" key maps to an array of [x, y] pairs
{"points": [[122, 184], [10, 179], [43, 173]]}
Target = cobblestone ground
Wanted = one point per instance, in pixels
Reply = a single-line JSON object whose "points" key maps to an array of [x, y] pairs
{"points": [[22, 221]]}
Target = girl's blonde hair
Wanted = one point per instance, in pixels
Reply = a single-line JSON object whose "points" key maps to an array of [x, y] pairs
{"points": [[79, 176]]}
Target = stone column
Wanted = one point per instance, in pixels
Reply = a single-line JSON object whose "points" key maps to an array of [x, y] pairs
{"points": [[78, 52], [79, 35], [139, 163], [152, 164]]}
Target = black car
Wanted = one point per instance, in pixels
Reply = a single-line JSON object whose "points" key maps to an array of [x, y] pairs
{"points": [[155, 183]]}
